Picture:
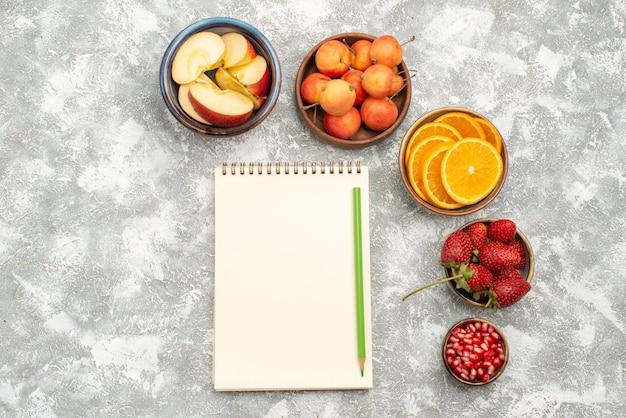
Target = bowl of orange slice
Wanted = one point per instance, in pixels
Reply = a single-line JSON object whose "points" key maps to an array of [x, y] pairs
{"points": [[453, 161]]}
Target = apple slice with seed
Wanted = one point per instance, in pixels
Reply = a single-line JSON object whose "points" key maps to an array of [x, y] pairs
{"points": [[227, 82]]}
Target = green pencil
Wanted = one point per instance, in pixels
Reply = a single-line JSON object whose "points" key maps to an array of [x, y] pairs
{"points": [[358, 260]]}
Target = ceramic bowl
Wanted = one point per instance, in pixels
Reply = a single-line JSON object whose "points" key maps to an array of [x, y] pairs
{"points": [[527, 272], [481, 366], [313, 117], [464, 210], [220, 25]]}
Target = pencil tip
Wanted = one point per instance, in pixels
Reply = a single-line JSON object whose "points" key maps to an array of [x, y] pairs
{"points": [[361, 372]]}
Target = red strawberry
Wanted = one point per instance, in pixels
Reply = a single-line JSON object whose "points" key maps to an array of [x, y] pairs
{"points": [[480, 280], [502, 230], [506, 292], [456, 249], [470, 277], [517, 246], [496, 256], [510, 273], [477, 233]]}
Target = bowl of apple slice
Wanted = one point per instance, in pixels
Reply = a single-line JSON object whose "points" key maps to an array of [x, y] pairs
{"points": [[220, 76]]}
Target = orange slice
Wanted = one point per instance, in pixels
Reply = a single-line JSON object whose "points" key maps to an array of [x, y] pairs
{"points": [[415, 159], [464, 123], [431, 129], [491, 133], [430, 172], [470, 170]]}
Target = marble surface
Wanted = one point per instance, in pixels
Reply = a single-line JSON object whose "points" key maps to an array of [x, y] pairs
{"points": [[106, 208]]}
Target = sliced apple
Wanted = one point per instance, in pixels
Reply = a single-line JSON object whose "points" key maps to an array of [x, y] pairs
{"points": [[228, 82], [239, 50], [202, 51], [250, 73], [261, 87], [223, 108], [185, 103]]}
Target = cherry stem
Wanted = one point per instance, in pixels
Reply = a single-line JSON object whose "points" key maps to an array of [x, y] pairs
{"points": [[410, 40], [447, 279], [307, 107]]}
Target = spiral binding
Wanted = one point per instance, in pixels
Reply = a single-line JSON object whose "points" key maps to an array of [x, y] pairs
{"points": [[295, 168]]}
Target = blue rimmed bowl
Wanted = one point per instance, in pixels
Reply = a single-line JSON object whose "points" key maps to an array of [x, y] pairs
{"points": [[220, 26]]}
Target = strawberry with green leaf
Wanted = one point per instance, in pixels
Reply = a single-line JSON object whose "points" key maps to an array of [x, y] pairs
{"points": [[506, 292], [456, 249], [467, 276]]}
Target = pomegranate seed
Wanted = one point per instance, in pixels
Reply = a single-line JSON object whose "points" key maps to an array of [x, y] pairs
{"points": [[474, 351]]}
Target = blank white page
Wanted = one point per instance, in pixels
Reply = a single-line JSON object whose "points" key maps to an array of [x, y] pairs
{"points": [[285, 298]]}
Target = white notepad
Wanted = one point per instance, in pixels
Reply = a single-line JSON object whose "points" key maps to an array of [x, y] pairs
{"points": [[285, 298]]}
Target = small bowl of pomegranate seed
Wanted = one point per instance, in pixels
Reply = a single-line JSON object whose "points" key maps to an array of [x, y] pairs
{"points": [[475, 352], [509, 290]]}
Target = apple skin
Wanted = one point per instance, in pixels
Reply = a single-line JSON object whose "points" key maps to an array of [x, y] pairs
{"points": [[386, 50], [344, 126], [311, 87], [200, 52], [378, 114], [185, 103], [354, 77], [337, 97], [361, 54], [222, 108], [261, 87], [251, 72], [377, 80], [239, 50], [333, 58]]}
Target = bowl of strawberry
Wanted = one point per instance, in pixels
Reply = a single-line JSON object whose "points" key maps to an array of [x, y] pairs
{"points": [[487, 262], [475, 352]]}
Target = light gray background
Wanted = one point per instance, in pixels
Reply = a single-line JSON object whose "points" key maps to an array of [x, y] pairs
{"points": [[106, 207]]}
